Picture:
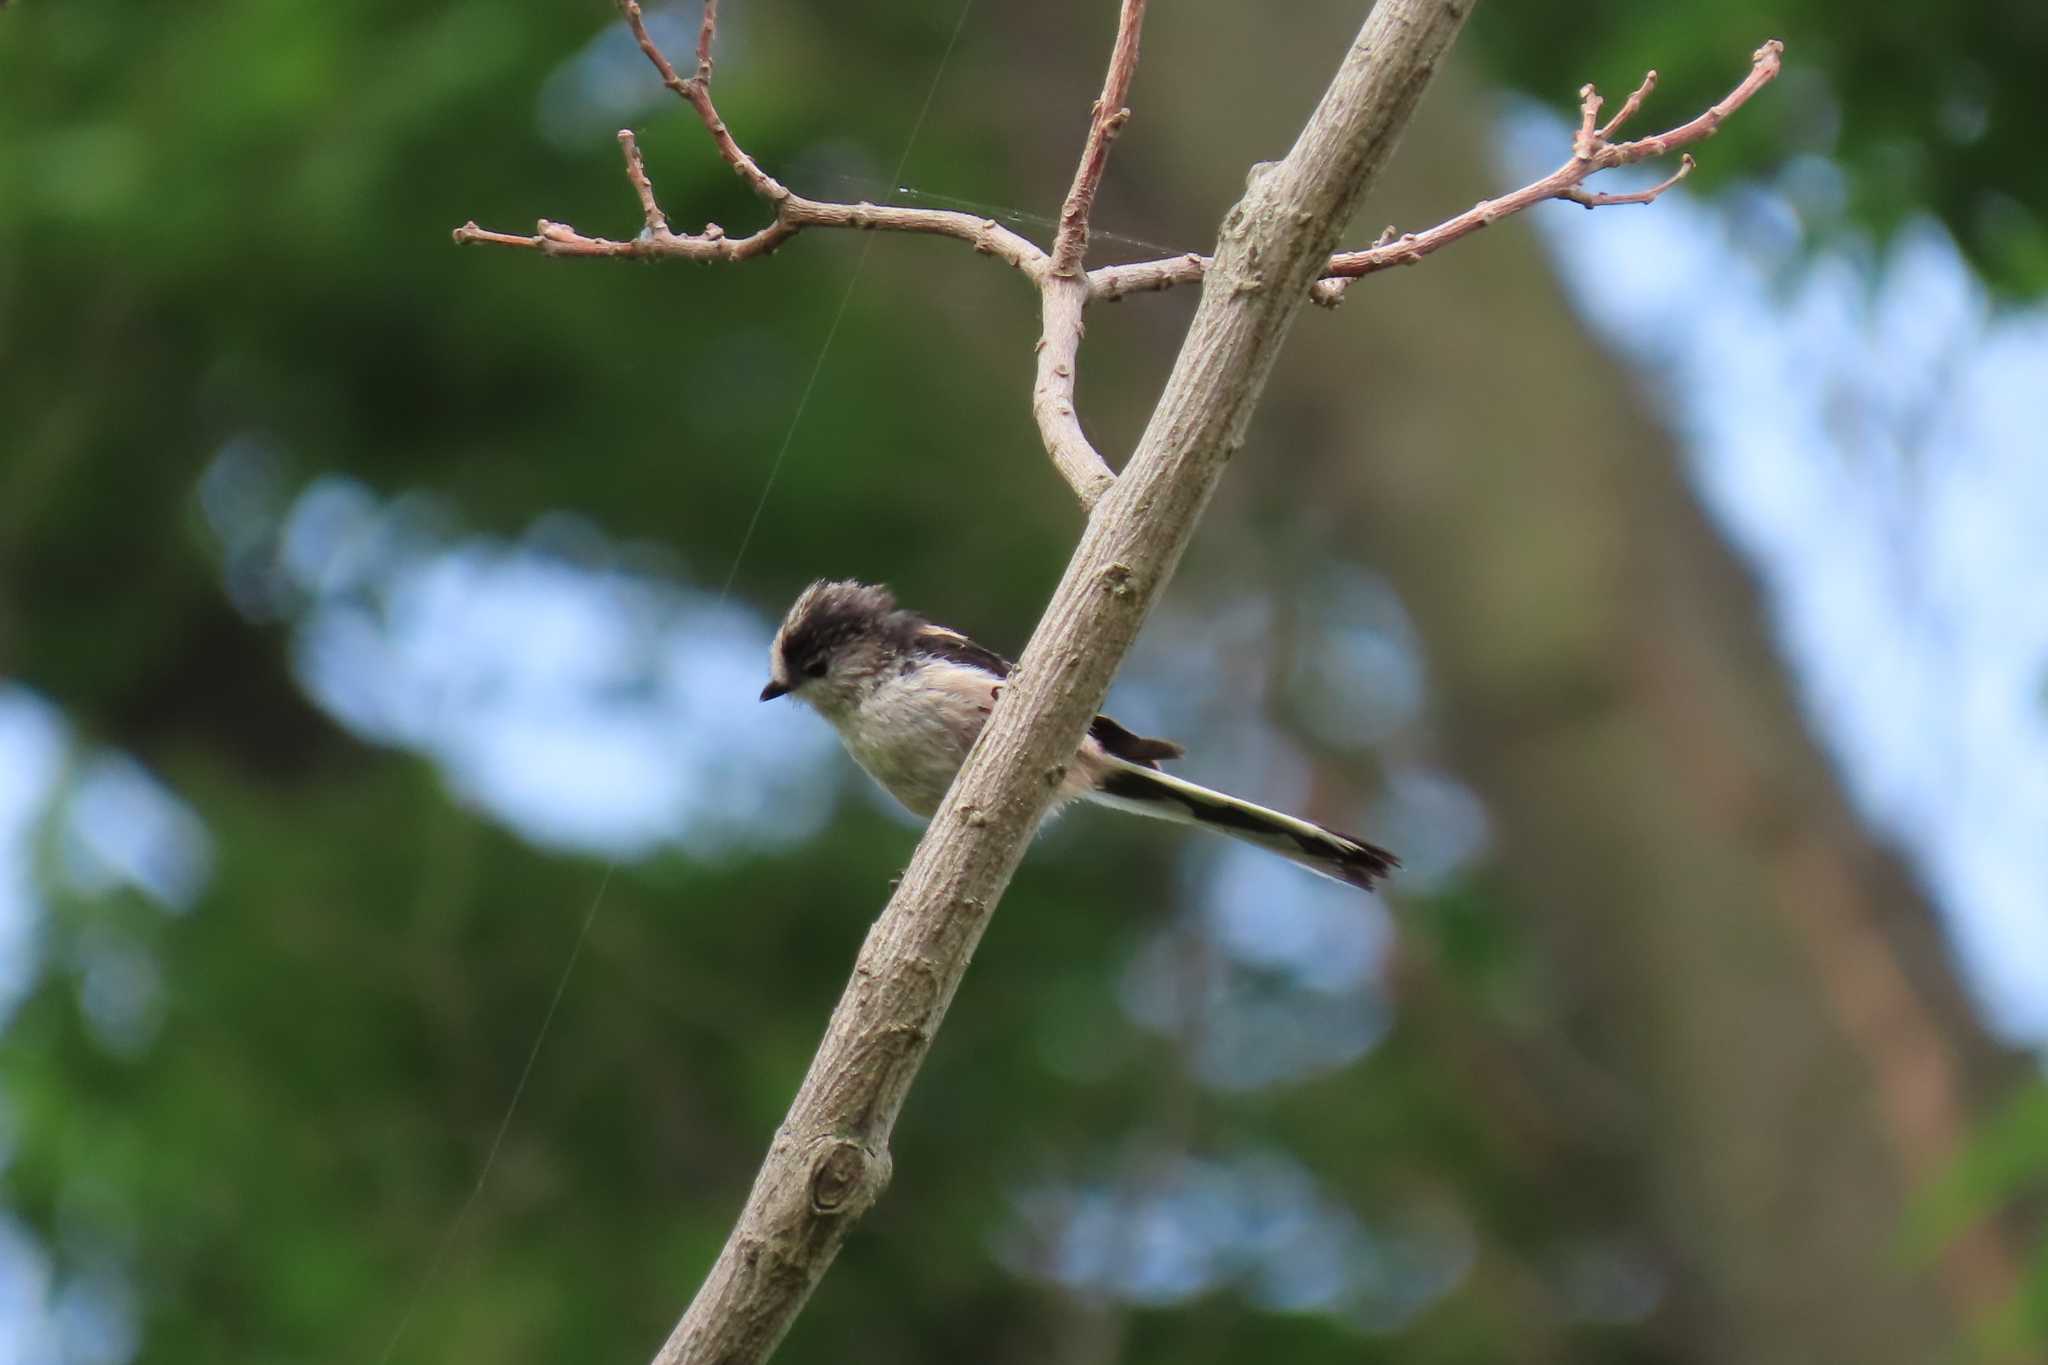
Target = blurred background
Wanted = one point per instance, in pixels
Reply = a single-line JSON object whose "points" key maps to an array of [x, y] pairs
{"points": [[1665, 584]]}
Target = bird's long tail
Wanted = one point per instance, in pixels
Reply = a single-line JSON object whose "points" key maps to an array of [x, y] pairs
{"points": [[1147, 791]]}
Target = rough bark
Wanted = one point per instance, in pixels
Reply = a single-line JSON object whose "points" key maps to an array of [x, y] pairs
{"points": [[829, 1160]]}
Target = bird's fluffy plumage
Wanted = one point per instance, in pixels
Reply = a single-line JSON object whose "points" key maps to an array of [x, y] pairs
{"points": [[909, 698]]}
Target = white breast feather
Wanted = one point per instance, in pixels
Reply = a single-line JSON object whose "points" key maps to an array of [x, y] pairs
{"points": [[912, 732]]}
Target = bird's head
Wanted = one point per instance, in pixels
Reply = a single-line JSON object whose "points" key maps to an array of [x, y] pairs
{"points": [[837, 642]]}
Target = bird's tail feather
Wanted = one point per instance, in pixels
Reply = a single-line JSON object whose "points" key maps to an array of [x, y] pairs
{"points": [[1147, 791]]}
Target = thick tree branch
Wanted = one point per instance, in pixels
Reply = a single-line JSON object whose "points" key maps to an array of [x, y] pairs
{"points": [[829, 1160], [1592, 152]]}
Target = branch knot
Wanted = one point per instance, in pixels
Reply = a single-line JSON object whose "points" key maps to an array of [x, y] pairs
{"points": [[847, 1178]]}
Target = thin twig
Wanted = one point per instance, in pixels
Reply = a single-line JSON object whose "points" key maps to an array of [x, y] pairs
{"points": [[1063, 291], [1594, 199], [656, 239], [1052, 391], [559, 239], [985, 235], [1630, 105], [1592, 152], [1106, 120], [697, 91], [636, 171], [706, 31]]}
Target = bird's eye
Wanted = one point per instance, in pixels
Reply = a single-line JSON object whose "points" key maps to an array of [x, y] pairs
{"points": [[815, 669]]}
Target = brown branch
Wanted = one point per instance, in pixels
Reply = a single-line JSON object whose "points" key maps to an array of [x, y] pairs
{"points": [[985, 235], [697, 90], [559, 239], [636, 171], [1061, 300], [1106, 120], [829, 1160], [706, 31], [793, 212], [655, 241], [1630, 105], [1052, 401], [1592, 151], [1063, 291], [1593, 199], [1061, 306]]}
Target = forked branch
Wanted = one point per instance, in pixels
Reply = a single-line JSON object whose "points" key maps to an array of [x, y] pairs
{"points": [[830, 1158], [1064, 291], [1593, 151], [829, 1161]]}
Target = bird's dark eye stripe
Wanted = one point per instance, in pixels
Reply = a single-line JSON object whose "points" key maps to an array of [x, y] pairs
{"points": [[815, 669]]}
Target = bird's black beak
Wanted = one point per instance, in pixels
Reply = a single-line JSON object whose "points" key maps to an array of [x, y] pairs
{"points": [[773, 690]]}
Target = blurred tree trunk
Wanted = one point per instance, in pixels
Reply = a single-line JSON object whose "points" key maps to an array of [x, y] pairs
{"points": [[1768, 982], [1767, 987]]}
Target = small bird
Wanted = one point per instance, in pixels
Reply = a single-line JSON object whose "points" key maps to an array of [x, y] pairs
{"points": [[909, 698]]}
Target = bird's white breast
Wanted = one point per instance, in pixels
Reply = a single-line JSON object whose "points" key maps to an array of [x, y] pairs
{"points": [[913, 731]]}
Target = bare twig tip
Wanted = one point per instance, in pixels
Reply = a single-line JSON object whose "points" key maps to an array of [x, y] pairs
{"points": [[1630, 105], [1593, 150], [1106, 118]]}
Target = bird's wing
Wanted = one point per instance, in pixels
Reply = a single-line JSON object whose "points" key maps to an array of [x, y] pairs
{"points": [[954, 647]]}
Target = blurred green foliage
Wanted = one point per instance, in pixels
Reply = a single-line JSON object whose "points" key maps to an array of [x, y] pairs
{"points": [[1884, 112], [2004, 1168], [228, 222]]}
